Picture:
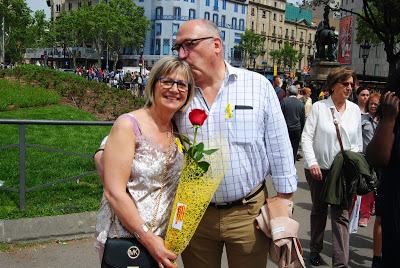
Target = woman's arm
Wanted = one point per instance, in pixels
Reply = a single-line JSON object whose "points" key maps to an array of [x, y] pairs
{"points": [[380, 148], [118, 156]]}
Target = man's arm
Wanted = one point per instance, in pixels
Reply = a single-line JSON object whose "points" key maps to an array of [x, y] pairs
{"points": [[379, 149]]}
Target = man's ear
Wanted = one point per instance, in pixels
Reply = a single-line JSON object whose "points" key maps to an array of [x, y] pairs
{"points": [[219, 46]]}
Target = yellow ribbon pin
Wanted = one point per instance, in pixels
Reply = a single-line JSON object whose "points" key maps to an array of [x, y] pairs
{"points": [[179, 144], [228, 110]]}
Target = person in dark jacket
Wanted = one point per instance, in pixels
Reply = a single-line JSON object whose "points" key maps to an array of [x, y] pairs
{"points": [[294, 113], [384, 152]]}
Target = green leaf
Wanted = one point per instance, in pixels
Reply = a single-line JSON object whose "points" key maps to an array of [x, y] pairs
{"points": [[184, 139], [204, 165], [210, 151]]}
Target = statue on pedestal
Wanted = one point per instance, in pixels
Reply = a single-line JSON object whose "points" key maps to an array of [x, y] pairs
{"points": [[326, 39]]}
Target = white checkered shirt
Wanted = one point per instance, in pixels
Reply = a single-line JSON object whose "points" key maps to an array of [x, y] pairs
{"points": [[257, 136]]}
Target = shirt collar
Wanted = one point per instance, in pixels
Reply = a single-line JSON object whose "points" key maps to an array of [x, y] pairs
{"points": [[231, 73]]}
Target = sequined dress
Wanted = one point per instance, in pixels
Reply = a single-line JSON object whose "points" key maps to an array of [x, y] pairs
{"points": [[144, 187]]}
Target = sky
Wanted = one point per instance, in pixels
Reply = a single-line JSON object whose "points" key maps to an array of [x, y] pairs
{"points": [[38, 5]]}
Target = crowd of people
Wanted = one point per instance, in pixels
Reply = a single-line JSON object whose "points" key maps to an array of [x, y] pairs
{"points": [[263, 124]]}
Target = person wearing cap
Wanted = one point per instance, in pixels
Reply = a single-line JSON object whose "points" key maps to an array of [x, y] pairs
{"points": [[293, 111]]}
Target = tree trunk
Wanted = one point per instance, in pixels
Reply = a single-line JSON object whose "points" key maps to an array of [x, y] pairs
{"points": [[394, 72]]}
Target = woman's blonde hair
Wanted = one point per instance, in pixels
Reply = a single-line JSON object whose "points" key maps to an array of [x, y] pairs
{"points": [[338, 75], [374, 95], [164, 67]]}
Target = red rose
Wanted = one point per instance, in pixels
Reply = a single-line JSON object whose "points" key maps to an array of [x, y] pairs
{"points": [[197, 117]]}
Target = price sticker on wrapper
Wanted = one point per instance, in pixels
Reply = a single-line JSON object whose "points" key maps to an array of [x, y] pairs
{"points": [[178, 217]]}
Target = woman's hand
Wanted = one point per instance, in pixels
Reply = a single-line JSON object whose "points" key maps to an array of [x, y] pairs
{"points": [[163, 256], [316, 172]]}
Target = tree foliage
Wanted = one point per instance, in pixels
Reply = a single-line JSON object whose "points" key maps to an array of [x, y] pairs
{"points": [[286, 56], [111, 25], [378, 22], [252, 45]]}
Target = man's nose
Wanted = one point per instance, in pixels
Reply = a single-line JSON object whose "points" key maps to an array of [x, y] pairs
{"points": [[182, 54]]}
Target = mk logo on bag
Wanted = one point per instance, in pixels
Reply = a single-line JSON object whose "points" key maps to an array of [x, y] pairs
{"points": [[133, 252]]}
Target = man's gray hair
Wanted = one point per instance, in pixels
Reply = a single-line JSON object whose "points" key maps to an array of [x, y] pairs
{"points": [[293, 90]]}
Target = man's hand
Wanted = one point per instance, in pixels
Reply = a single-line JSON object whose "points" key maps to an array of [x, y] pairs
{"points": [[316, 172], [390, 106]]}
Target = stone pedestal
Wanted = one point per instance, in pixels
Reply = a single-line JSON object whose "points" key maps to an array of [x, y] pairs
{"points": [[320, 69]]}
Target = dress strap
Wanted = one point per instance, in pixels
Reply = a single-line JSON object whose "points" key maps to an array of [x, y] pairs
{"points": [[135, 124]]}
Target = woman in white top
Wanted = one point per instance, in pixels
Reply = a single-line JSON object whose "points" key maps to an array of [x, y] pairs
{"points": [[320, 146]]}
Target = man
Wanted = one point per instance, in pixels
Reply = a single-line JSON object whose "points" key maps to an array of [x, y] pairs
{"points": [[258, 145], [294, 113], [277, 83]]}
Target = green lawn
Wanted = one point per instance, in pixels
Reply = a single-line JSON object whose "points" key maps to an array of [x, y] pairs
{"points": [[43, 167]]}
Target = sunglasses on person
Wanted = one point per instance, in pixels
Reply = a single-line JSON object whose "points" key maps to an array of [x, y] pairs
{"points": [[188, 44], [346, 84], [168, 83]]}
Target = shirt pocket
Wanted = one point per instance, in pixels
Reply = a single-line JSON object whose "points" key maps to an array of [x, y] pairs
{"points": [[242, 126]]}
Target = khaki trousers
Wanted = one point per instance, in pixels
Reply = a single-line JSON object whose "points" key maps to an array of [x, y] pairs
{"points": [[235, 227], [339, 221]]}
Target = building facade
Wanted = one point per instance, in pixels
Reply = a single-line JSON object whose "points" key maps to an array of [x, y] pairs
{"points": [[167, 16], [376, 66], [279, 22]]}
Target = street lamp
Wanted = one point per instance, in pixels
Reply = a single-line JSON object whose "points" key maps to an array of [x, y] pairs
{"points": [[364, 53], [141, 59]]}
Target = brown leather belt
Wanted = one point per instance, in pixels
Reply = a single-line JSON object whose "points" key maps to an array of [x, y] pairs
{"points": [[239, 202]]}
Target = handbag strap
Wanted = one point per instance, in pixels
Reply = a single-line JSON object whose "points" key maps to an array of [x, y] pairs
{"points": [[164, 176], [336, 123]]}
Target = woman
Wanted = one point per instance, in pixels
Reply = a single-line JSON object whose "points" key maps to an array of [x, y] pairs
{"points": [[320, 146], [142, 163], [369, 121], [384, 152], [362, 98]]}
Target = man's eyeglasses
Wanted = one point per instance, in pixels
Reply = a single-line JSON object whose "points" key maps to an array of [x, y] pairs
{"points": [[346, 84], [188, 44], [168, 83]]}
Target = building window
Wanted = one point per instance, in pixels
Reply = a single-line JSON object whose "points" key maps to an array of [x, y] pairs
{"points": [[192, 1], [166, 47], [157, 48], [275, 4], [224, 4], [274, 31], [237, 38], [207, 15], [223, 35], [158, 28], [263, 27], [252, 11], [252, 25], [177, 12], [141, 1], [89, 3], [241, 24], [264, 14], [243, 9], [192, 14], [215, 18], [234, 22], [222, 20], [175, 28], [292, 33], [69, 6], [236, 7], [159, 13], [207, 3], [281, 18], [275, 16], [216, 5]]}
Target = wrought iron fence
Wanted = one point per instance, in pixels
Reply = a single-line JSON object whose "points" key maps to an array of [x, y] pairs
{"points": [[22, 145]]}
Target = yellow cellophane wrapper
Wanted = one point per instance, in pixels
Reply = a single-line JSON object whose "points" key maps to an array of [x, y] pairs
{"points": [[194, 194]]}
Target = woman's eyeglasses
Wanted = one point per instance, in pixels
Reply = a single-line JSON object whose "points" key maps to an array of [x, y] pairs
{"points": [[168, 83], [346, 84]]}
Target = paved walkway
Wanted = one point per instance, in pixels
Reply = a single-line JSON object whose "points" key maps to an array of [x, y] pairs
{"points": [[80, 253]]}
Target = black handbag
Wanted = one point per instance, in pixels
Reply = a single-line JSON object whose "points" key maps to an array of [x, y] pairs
{"points": [[126, 252]]}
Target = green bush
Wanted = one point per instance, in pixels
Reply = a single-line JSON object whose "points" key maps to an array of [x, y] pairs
{"points": [[96, 98], [14, 95]]}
